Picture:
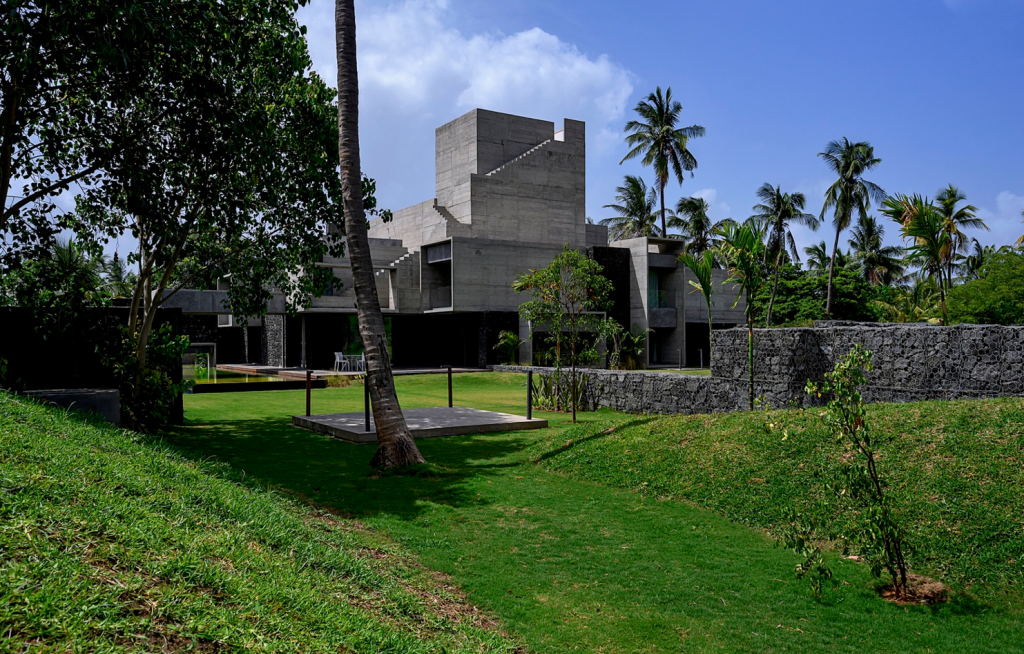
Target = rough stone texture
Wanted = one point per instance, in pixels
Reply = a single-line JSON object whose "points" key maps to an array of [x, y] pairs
{"points": [[912, 363]]}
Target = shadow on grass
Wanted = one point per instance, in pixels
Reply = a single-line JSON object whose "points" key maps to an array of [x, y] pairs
{"points": [[335, 473], [604, 433]]}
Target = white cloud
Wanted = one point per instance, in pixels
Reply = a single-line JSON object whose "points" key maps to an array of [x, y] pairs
{"points": [[418, 71], [1004, 221]]}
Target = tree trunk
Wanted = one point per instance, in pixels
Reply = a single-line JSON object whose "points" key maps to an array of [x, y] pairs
{"points": [[709, 335], [775, 290], [573, 389], [831, 272], [750, 359], [396, 446], [664, 233], [942, 297]]}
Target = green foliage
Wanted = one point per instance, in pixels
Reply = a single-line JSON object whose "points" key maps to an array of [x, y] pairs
{"points": [[801, 298], [627, 347], [565, 299], [996, 296], [508, 347], [148, 391], [862, 514], [555, 391]]}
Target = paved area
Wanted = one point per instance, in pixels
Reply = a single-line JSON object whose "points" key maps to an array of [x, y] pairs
{"points": [[423, 423], [300, 373]]}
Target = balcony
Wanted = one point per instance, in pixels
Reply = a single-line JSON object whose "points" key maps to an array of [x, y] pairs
{"points": [[661, 300], [661, 318], [441, 297]]}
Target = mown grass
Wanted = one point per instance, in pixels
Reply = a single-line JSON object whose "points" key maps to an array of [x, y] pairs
{"points": [[114, 542], [955, 469], [569, 564]]}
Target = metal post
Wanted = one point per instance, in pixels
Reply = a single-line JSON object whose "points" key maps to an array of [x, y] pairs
{"points": [[529, 395], [449, 387], [680, 359], [702, 358], [309, 388], [366, 399]]}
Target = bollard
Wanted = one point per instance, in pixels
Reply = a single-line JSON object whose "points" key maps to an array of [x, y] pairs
{"points": [[449, 387], [529, 395], [702, 358], [366, 399], [309, 388]]}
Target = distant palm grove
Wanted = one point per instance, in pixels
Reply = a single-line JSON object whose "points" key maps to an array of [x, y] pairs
{"points": [[941, 274]]}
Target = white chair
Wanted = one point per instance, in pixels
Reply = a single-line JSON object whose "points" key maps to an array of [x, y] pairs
{"points": [[340, 362]]}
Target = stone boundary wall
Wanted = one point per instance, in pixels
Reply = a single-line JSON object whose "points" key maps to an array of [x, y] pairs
{"points": [[912, 363]]}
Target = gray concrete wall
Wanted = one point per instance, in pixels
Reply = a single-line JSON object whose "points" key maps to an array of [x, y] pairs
{"points": [[912, 363], [483, 272]]}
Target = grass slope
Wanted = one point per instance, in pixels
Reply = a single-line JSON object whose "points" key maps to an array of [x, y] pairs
{"points": [[112, 542], [568, 564], [956, 470]]}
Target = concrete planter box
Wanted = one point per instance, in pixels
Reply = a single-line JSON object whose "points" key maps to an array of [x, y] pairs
{"points": [[106, 403]]}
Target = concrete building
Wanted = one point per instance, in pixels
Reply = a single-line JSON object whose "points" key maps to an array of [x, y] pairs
{"points": [[509, 195]]}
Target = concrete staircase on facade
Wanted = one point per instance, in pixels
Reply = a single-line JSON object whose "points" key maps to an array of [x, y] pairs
{"points": [[519, 158]]}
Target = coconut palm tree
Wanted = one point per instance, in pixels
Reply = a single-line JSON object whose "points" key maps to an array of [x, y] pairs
{"points": [[119, 280], [662, 144], [776, 211], [955, 220], [1020, 241], [743, 250], [636, 211], [693, 221], [396, 444], [917, 303], [849, 193], [704, 284], [817, 257], [932, 243], [879, 263]]}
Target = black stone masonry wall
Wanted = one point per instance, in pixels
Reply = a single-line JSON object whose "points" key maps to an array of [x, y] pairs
{"points": [[912, 363]]}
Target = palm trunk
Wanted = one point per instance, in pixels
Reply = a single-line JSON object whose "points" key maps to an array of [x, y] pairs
{"points": [[664, 233], [945, 315], [831, 273], [397, 447], [775, 289], [709, 335]]}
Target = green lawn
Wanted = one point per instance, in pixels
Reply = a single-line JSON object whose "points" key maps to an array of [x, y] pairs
{"points": [[112, 542], [567, 563]]}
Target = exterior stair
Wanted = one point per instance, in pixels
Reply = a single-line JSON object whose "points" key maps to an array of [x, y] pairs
{"points": [[522, 156], [394, 264]]}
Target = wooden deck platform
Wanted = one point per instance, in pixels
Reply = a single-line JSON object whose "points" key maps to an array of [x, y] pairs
{"points": [[423, 423]]}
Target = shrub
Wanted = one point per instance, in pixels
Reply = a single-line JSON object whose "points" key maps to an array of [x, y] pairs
{"points": [[860, 514]]}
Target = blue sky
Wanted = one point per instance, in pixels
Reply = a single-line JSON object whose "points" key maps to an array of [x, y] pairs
{"points": [[937, 86]]}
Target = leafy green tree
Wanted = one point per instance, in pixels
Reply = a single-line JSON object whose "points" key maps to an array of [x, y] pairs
{"points": [[879, 263], [701, 269], [850, 193], [954, 220], [801, 298], [636, 211], [226, 162], [996, 297], [777, 210], [743, 251], [58, 61], [397, 447], [863, 510], [568, 298], [697, 228], [664, 146]]}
